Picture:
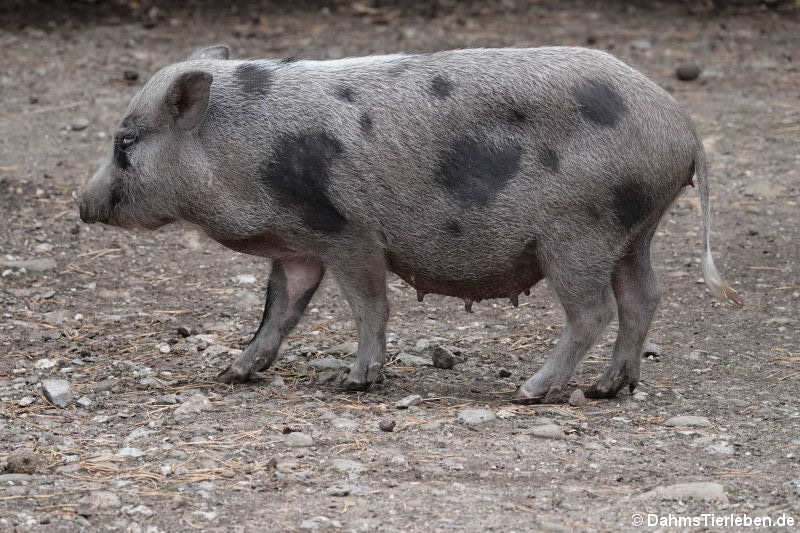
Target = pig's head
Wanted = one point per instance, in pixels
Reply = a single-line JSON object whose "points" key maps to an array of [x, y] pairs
{"points": [[157, 150]]}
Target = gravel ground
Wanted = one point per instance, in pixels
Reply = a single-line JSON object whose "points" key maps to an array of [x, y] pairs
{"points": [[110, 418]]}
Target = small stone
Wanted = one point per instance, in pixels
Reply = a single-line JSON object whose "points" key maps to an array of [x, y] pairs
{"points": [[245, 279], [504, 373], [98, 501], [641, 44], [422, 345], [640, 396], [687, 72], [721, 448], [406, 359], [130, 452], [80, 123], [577, 399], [31, 265], [164, 348], [699, 490], [474, 417], [387, 425], [184, 331], [195, 404], [298, 439], [84, 401], [328, 363], [23, 461], [348, 466], [343, 490], [130, 75], [57, 391], [548, 431], [443, 358], [277, 381], [688, 421], [344, 424], [408, 401], [25, 401]]}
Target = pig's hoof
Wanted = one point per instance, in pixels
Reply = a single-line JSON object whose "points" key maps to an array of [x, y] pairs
{"points": [[350, 384], [608, 387], [554, 394], [233, 375]]}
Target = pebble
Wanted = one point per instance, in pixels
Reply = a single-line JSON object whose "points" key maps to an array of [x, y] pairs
{"points": [[504, 373], [195, 404], [577, 399], [343, 490], [184, 331], [164, 348], [25, 401], [640, 396], [31, 265], [474, 417], [80, 123], [99, 500], [277, 381], [721, 448], [408, 401], [348, 466], [640, 44], [548, 431], [687, 72], [57, 391], [130, 452], [443, 358], [22, 462], [320, 522], [84, 401], [387, 425], [298, 439], [699, 490], [345, 424], [130, 75], [245, 279], [328, 363], [688, 421], [406, 359]]}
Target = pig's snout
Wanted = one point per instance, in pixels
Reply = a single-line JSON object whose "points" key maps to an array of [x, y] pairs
{"points": [[89, 208]]}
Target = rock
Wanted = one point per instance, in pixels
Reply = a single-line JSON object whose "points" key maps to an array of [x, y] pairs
{"points": [[320, 522], [80, 123], [443, 358], [298, 439], [195, 404], [245, 279], [408, 401], [343, 490], [328, 363], [23, 461], [699, 490], [695, 355], [130, 75], [422, 345], [504, 373], [344, 424], [406, 359], [57, 391], [98, 501], [277, 381], [687, 72], [720, 448], [577, 399], [640, 396], [164, 348], [25, 401], [348, 466], [548, 431], [44, 364], [130, 452], [387, 425], [641, 44], [184, 331], [688, 421], [84, 401], [31, 265], [136, 434], [474, 417]]}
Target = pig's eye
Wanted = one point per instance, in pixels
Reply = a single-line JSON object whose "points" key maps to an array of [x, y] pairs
{"points": [[127, 140]]}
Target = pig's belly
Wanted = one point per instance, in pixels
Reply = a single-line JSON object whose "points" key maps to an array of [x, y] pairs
{"points": [[472, 277]]}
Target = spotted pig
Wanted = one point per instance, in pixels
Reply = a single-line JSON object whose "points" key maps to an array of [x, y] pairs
{"points": [[468, 173]]}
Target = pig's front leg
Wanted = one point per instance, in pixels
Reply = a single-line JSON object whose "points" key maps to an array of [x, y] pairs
{"points": [[292, 283], [363, 281]]}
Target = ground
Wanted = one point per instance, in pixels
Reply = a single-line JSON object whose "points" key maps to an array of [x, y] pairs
{"points": [[102, 308]]}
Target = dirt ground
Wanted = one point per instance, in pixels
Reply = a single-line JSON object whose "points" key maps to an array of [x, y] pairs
{"points": [[141, 323]]}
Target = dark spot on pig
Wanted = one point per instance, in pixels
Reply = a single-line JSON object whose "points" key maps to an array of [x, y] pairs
{"points": [[453, 227], [298, 173], [121, 154], [290, 59], [599, 102], [253, 78], [441, 87], [548, 158], [474, 171], [116, 194], [593, 212], [516, 116], [365, 121], [345, 93], [632, 203]]}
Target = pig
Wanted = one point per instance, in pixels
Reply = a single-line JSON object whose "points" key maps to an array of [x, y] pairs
{"points": [[468, 173]]}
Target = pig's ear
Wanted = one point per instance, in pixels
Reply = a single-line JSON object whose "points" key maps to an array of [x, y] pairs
{"points": [[186, 100], [217, 51]]}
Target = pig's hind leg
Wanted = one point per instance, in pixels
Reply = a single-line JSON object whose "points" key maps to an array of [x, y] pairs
{"points": [[588, 303], [637, 293], [292, 283]]}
